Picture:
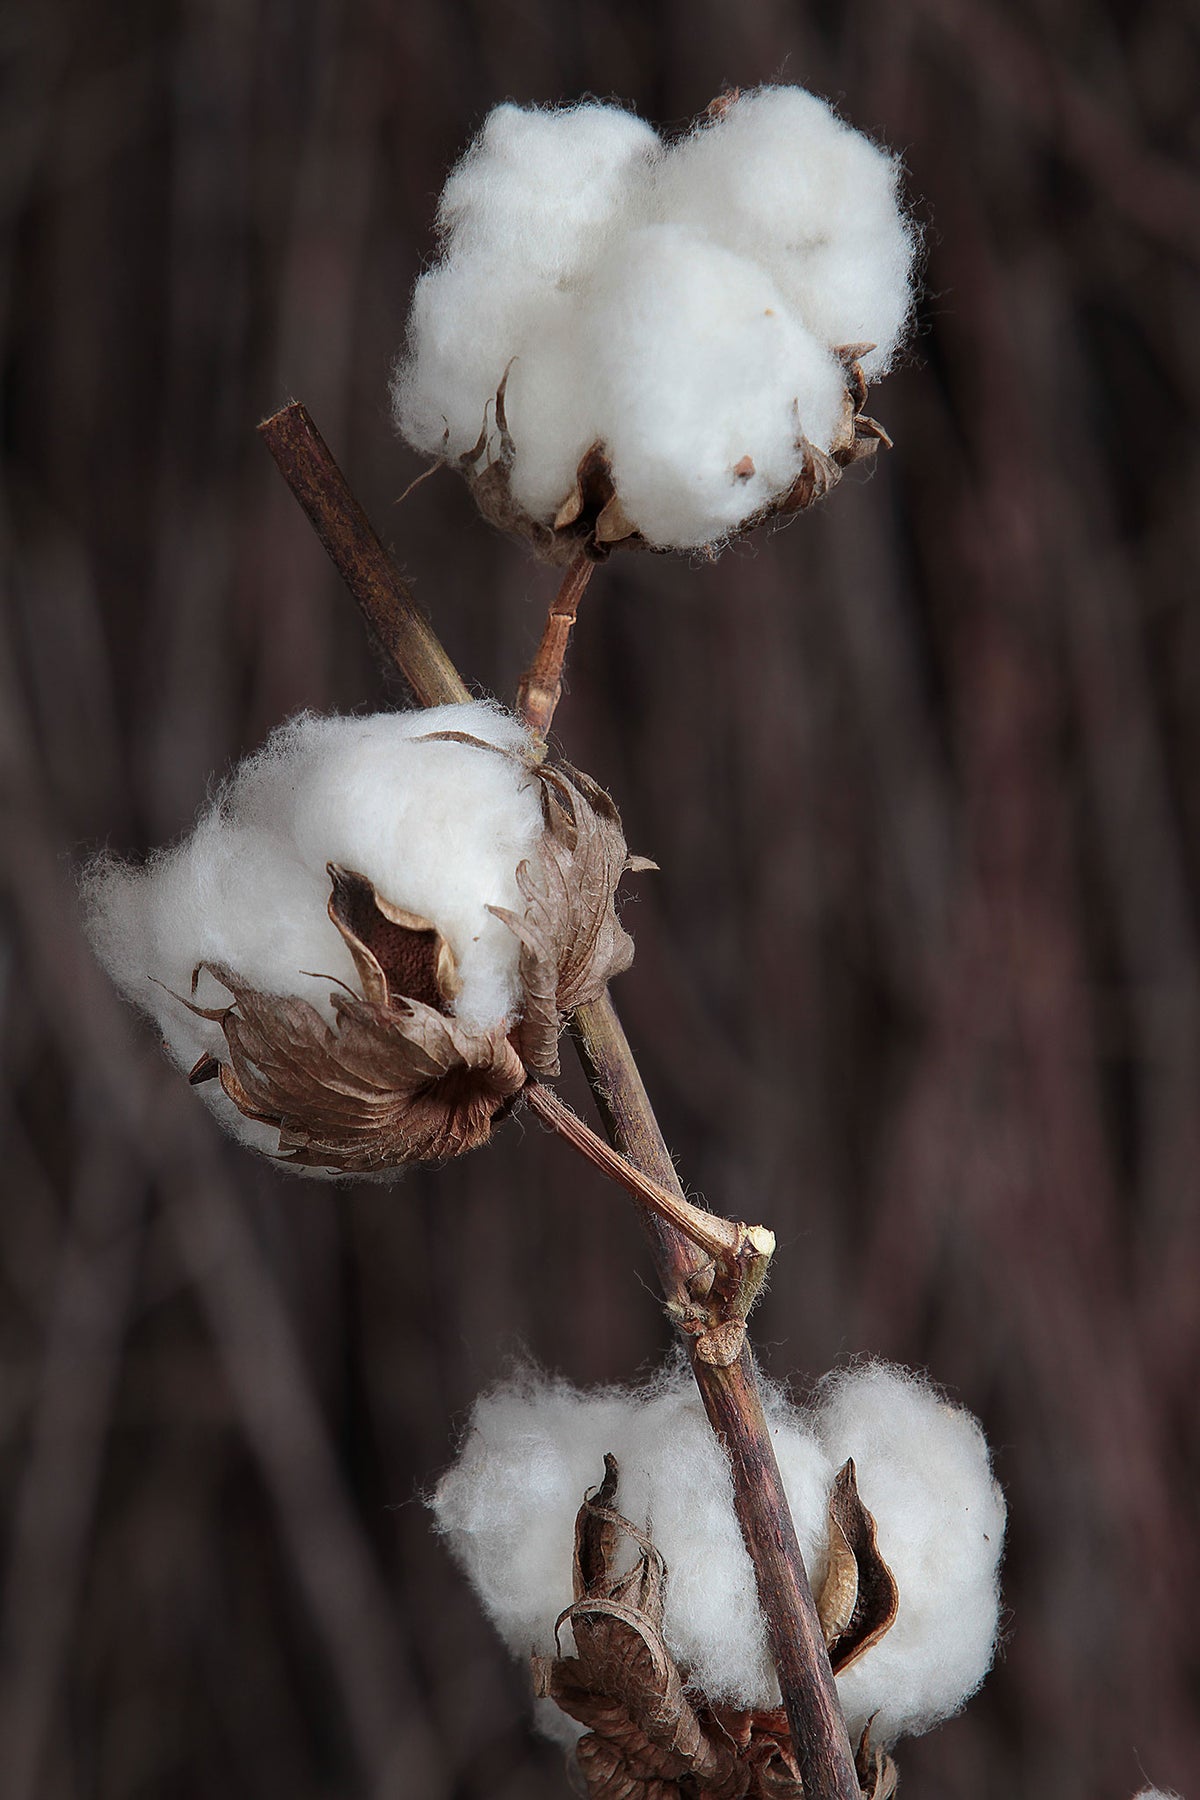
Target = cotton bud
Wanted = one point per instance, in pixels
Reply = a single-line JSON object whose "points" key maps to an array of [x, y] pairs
{"points": [[898, 1517], [373, 933], [628, 342]]}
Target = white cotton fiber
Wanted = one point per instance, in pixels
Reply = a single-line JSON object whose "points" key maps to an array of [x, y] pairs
{"points": [[924, 1472], [536, 1445], [680, 306], [705, 381], [523, 218], [438, 828], [781, 178], [546, 187]]}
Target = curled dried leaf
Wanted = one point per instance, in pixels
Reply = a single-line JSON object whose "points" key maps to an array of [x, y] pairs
{"points": [[859, 1597], [572, 942], [389, 1083]]}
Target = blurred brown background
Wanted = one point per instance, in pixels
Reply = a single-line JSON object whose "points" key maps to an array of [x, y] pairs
{"points": [[918, 982]]}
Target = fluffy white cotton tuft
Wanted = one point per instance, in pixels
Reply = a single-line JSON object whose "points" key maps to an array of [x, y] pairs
{"points": [[534, 1449], [547, 187], [1157, 1794], [924, 1471], [779, 177], [537, 1445], [438, 828], [679, 305], [705, 383]]}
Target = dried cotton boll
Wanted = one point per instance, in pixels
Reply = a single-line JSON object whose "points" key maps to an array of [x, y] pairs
{"points": [[705, 383], [385, 919], [546, 187], [924, 1473], [780, 178], [670, 331]]}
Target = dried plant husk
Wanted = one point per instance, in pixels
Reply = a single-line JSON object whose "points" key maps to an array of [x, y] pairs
{"points": [[859, 1598], [572, 943], [397, 1078], [591, 517], [649, 1735]]}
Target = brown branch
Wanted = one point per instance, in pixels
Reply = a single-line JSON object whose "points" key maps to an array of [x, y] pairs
{"points": [[541, 685], [716, 1236], [734, 1406], [362, 562], [729, 1390]]}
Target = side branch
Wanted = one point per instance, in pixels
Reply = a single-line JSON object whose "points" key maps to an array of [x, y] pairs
{"points": [[306, 464], [541, 685]]}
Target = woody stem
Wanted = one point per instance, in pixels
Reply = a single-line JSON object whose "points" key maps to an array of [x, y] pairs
{"points": [[717, 1237], [541, 685], [730, 1393]]}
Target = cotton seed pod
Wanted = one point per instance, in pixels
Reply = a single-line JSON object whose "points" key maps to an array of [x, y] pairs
{"points": [[482, 914], [634, 342], [398, 1079]]}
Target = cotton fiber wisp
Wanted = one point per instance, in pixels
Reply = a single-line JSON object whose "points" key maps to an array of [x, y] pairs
{"points": [[536, 1446], [629, 340], [371, 933]]}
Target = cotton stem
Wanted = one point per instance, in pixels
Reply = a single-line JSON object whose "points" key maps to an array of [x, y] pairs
{"points": [[541, 685], [719, 1238], [729, 1390], [376, 583]]}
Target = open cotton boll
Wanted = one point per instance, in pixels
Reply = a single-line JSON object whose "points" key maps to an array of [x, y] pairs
{"points": [[703, 381], [438, 828], [924, 1472], [780, 178], [545, 188], [535, 1447]]}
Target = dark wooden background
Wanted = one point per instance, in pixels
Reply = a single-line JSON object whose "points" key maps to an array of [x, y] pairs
{"points": [[918, 982]]}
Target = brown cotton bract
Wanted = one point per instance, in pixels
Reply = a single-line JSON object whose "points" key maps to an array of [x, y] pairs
{"points": [[397, 1078], [650, 1734]]}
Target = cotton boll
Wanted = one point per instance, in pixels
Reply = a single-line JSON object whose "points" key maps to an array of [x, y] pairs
{"points": [[438, 828], [780, 178], [703, 378], [545, 189], [924, 1473]]}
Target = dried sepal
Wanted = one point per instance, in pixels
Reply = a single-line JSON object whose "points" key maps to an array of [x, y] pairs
{"points": [[572, 942], [649, 1735], [877, 1775], [389, 1083], [859, 1598], [592, 516], [644, 1735]]}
